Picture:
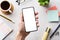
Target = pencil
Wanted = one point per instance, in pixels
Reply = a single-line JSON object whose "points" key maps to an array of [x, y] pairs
{"points": [[6, 18]]}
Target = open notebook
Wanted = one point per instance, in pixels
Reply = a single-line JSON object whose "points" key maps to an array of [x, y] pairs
{"points": [[4, 30]]}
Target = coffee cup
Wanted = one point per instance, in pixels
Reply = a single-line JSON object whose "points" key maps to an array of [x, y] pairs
{"points": [[6, 7]]}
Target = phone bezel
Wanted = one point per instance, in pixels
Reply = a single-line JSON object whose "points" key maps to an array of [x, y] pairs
{"points": [[35, 20]]}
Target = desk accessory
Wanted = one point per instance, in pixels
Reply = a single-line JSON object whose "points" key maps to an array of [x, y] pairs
{"points": [[53, 16], [53, 8], [55, 31], [20, 1], [5, 30], [46, 34], [6, 18]]}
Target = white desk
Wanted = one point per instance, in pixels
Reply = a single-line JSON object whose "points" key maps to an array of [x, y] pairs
{"points": [[42, 19]]}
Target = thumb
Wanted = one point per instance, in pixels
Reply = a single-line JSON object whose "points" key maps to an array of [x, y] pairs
{"points": [[21, 17]]}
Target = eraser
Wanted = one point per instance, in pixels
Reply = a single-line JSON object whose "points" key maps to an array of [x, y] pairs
{"points": [[53, 16]]}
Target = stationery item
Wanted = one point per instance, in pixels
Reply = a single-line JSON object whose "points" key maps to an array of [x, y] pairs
{"points": [[6, 18], [4, 30], [20, 1], [53, 8], [53, 16], [6, 7], [46, 34], [29, 19], [55, 31]]}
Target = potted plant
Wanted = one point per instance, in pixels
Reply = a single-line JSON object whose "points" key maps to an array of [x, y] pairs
{"points": [[44, 2]]}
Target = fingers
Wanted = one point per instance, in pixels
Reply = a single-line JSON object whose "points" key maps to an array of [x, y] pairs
{"points": [[37, 25], [36, 13], [37, 22], [36, 17]]}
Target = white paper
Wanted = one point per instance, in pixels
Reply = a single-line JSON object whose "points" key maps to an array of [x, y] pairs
{"points": [[4, 29]]}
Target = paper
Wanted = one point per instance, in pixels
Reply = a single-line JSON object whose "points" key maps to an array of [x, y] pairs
{"points": [[53, 16], [53, 8], [4, 29]]}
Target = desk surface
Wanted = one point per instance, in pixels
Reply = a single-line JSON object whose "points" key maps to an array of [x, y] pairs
{"points": [[42, 19]]}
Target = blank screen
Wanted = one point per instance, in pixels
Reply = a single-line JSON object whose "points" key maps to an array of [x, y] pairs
{"points": [[29, 19]]}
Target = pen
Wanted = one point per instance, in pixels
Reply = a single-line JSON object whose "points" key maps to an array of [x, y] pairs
{"points": [[19, 2], [55, 31], [6, 18], [45, 36]]}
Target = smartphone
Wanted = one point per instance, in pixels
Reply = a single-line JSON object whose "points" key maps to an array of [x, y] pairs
{"points": [[29, 19]]}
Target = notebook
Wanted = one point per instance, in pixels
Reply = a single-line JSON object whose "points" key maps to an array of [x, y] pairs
{"points": [[4, 30], [53, 16]]}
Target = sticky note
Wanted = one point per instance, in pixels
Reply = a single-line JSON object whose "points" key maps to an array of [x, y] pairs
{"points": [[53, 16], [53, 8]]}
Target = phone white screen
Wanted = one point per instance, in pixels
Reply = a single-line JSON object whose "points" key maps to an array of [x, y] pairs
{"points": [[29, 19]]}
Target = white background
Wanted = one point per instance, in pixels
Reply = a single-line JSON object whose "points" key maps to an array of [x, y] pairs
{"points": [[43, 19]]}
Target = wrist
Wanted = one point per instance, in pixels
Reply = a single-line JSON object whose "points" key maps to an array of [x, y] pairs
{"points": [[20, 37]]}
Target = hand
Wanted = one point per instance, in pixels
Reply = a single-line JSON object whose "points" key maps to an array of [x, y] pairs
{"points": [[22, 31]]}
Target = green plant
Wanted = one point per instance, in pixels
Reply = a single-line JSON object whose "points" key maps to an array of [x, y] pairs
{"points": [[43, 2]]}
